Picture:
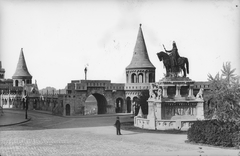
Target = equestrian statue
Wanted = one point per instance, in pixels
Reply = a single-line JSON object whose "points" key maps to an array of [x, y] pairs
{"points": [[173, 62]]}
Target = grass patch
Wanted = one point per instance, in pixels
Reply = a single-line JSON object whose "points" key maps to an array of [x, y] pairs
{"points": [[129, 126]]}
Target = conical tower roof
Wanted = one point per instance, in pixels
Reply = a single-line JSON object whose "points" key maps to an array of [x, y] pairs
{"points": [[140, 57], [21, 71]]}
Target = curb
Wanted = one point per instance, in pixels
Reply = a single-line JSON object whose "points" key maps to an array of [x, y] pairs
{"points": [[16, 123], [80, 116], [96, 116]]}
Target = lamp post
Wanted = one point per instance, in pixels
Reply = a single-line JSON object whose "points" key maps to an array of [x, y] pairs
{"points": [[85, 71], [26, 106]]}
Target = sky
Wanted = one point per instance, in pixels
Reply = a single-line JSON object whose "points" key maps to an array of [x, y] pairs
{"points": [[60, 37]]}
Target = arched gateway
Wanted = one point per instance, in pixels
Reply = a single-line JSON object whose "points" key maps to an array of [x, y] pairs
{"points": [[67, 109], [96, 106], [109, 96]]}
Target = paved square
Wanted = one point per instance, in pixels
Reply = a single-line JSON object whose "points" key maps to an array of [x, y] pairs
{"points": [[53, 135]]}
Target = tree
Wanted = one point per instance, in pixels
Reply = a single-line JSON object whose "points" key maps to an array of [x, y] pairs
{"points": [[224, 95], [227, 73]]}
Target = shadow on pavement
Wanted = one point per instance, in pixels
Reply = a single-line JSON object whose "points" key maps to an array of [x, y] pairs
{"points": [[130, 133]]}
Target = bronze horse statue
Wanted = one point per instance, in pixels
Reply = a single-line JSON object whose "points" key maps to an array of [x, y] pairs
{"points": [[182, 62]]}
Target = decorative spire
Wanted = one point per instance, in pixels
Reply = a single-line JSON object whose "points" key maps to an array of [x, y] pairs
{"points": [[140, 57], [21, 71]]}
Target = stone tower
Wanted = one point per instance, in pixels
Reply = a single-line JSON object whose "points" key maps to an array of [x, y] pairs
{"points": [[140, 72], [21, 75], [2, 71]]}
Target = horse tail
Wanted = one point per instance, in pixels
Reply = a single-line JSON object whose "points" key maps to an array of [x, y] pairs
{"points": [[187, 65]]}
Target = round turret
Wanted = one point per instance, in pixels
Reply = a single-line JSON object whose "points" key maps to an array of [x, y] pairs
{"points": [[21, 75], [140, 70]]}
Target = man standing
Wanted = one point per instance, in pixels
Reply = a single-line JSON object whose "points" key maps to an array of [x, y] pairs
{"points": [[118, 125]]}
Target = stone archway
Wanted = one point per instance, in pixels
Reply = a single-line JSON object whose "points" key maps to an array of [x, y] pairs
{"points": [[100, 107], [90, 106], [136, 105], [101, 103], [119, 105], [16, 83], [133, 78], [129, 104], [67, 109]]}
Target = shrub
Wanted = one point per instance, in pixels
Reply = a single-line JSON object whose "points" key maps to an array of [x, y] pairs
{"points": [[236, 139], [215, 132]]}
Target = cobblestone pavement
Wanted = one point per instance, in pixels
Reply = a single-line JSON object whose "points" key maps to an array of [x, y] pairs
{"points": [[51, 135]]}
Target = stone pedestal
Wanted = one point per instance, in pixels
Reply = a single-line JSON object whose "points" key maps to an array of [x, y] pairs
{"points": [[174, 110], [151, 114], [158, 110], [200, 111]]}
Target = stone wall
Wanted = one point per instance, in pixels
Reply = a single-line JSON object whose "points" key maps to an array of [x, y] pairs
{"points": [[77, 100]]}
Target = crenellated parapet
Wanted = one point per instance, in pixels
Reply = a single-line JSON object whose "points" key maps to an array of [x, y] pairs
{"points": [[84, 85], [138, 86]]}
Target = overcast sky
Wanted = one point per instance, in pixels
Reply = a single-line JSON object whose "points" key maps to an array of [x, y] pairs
{"points": [[60, 37]]}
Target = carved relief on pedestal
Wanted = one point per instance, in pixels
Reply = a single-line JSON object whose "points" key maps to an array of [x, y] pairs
{"points": [[152, 94], [155, 92], [159, 94]]}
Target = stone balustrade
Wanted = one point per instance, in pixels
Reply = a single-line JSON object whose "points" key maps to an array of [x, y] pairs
{"points": [[144, 123]]}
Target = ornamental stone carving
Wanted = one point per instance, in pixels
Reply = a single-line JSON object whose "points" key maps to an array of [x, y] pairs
{"points": [[200, 94]]}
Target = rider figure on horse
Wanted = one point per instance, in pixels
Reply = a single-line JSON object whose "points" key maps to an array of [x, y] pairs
{"points": [[174, 57]]}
